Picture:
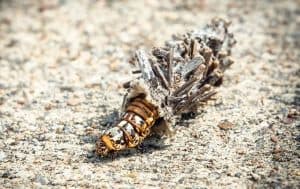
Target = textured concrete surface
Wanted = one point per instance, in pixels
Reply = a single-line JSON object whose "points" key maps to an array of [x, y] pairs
{"points": [[62, 65]]}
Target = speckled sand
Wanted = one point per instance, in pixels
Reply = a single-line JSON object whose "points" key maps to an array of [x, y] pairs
{"points": [[62, 66]]}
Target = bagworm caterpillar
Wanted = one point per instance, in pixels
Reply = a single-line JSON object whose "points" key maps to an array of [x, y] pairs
{"points": [[175, 79]]}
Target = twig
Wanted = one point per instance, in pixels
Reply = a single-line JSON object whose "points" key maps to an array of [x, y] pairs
{"points": [[185, 87], [170, 67], [145, 65], [161, 75]]}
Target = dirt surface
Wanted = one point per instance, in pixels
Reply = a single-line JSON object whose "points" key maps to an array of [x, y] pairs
{"points": [[62, 67]]}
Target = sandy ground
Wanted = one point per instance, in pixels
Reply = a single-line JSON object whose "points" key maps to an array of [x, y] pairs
{"points": [[62, 65]]}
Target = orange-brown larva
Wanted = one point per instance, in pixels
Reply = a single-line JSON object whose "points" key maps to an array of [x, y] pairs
{"points": [[131, 130]]}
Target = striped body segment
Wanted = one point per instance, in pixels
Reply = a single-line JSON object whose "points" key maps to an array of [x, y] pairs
{"points": [[131, 130]]}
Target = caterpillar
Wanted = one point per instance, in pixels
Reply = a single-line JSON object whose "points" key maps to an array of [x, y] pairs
{"points": [[134, 126], [176, 79]]}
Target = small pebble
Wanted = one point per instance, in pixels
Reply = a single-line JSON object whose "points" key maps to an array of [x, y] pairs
{"points": [[5, 175], [180, 180], [293, 113], [41, 179], [2, 156], [255, 177], [225, 125], [240, 151], [274, 139], [73, 102], [277, 149], [48, 106]]}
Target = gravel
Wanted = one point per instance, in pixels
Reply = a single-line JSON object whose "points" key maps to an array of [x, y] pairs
{"points": [[62, 67]]}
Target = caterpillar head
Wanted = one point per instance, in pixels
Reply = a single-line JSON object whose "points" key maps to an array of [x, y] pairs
{"points": [[101, 148], [111, 140]]}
